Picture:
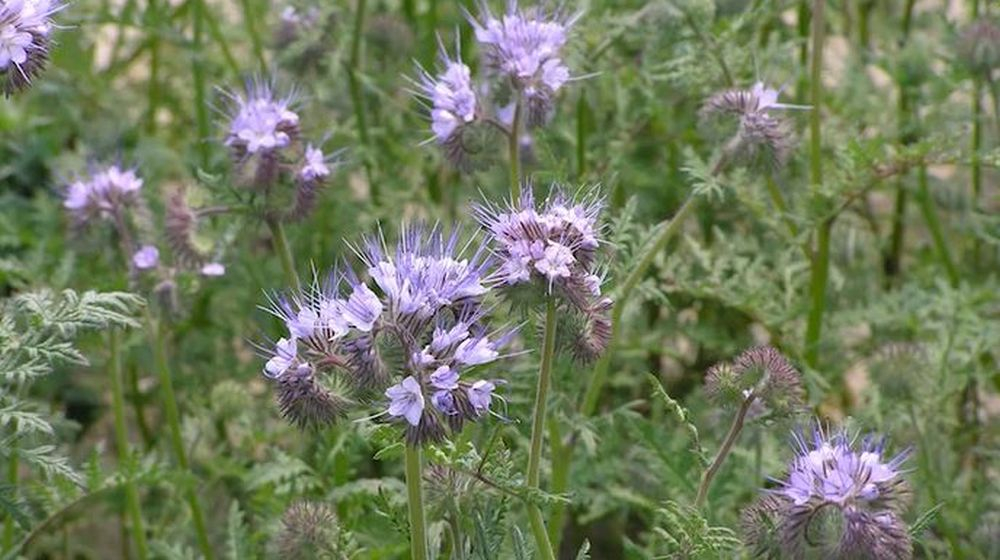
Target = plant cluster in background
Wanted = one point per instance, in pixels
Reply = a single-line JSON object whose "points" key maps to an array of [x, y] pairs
{"points": [[417, 279]]}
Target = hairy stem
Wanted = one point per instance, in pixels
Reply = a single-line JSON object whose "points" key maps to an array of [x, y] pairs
{"points": [[929, 211], [415, 503], [538, 429], [720, 457], [172, 413], [284, 254], [121, 441], [514, 149]]}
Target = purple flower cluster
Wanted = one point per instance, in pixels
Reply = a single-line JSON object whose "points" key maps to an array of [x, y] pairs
{"points": [[553, 246], [524, 48], [760, 137], [105, 193], [522, 54], [25, 27], [835, 475], [424, 300], [263, 137], [113, 193]]}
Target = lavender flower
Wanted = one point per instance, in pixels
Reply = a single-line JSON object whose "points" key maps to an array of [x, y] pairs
{"points": [[453, 106], [104, 194], [261, 123], [553, 246], [424, 299], [840, 500], [25, 29], [524, 48], [146, 257], [760, 137], [213, 269]]}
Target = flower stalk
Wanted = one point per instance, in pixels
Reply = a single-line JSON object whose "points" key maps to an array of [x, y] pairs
{"points": [[821, 255], [121, 441], [284, 250], [538, 429], [514, 149], [727, 446], [158, 334], [415, 502]]}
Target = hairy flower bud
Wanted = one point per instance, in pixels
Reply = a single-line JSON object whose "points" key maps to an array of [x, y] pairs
{"points": [[303, 401], [760, 138], [978, 47], [761, 373], [310, 530]]}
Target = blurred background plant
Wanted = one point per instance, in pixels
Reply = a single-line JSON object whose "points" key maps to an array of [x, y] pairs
{"points": [[868, 257]]}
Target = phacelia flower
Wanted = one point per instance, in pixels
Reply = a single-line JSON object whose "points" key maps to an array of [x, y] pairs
{"points": [[553, 246], [524, 48], [103, 194], [840, 499], [423, 299], [261, 122], [761, 376], [146, 257], [25, 29], [760, 137], [213, 269], [309, 531], [453, 106], [979, 47]]}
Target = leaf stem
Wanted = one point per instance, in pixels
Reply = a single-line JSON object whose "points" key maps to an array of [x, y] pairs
{"points": [[727, 445], [538, 429], [415, 503], [121, 441]]}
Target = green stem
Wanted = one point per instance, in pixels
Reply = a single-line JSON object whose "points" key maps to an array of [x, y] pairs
{"points": [[172, 413], [12, 468], [907, 135], [538, 428], [821, 257], [152, 11], [581, 135], [514, 149], [415, 499], [357, 99], [198, 75], [559, 482], [934, 224], [121, 441], [720, 457], [255, 40], [284, 254], [665, 232]]}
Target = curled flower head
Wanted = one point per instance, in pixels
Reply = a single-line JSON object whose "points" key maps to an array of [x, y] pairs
{"points": [[761, 138], [840, 499], [312, 174], [261, 123], [25, 29], [453, 106], [524, 47], [310, 530], [761, 375], [422, 304], [978, 47], [104, 193]]}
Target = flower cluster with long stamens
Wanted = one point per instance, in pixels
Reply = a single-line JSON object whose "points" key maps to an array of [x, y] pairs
{"points": [[263, 136], [554, 246], [424, 300], [841, 499], [25, 29], [114, 193], [760, 137], [522, 55]]}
